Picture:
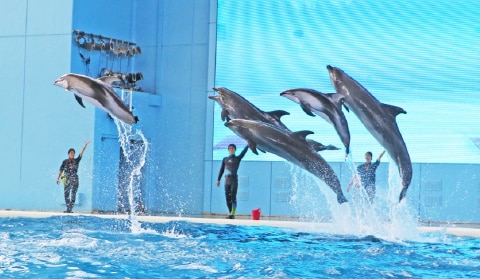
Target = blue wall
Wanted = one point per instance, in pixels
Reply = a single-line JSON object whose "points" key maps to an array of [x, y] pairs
{"points": [[40, 121], [174, 63], [177, 38]]}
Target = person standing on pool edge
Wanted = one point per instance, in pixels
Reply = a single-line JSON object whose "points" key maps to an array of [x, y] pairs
{"points": [[230, 166], [68, 170]]}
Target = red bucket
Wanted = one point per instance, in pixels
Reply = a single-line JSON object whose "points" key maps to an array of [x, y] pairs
{"points": [[256, 214]]}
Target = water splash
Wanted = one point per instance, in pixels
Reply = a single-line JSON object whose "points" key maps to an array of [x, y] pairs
{"points": [[135, 156], [306, 200], [385, 218]]}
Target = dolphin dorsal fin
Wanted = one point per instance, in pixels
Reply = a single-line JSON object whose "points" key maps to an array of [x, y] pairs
{"points": [[393, 110], [338, 99], [109, 79], [303, 134], [276, 114]]}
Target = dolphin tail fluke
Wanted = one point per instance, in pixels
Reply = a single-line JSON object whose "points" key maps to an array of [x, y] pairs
{"points": [[331, 147], [341, 198], [320, 147], [403, 193]]}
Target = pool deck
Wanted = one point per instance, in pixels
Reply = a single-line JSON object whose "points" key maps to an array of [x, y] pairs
{"points": [[457, 230]]}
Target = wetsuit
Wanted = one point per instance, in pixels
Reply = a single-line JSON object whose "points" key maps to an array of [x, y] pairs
{"points": [[367, 177], [230, 166], [69, 168]]}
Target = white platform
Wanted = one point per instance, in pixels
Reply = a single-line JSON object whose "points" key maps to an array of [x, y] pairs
{"points": [[320, 227]]}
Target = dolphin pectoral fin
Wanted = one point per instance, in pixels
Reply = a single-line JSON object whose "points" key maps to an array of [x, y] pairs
{"points": [[393, 110], [224, 114], [277, 114], [253, 146], [79, 100], [306, 108]]}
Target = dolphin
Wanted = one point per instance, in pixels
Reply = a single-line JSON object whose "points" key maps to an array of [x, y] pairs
{"points": [[98, 92], [292, 146], [235, 106], [328, 106], [378, 118]]}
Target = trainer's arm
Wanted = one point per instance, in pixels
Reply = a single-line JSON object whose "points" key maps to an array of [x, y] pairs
{"points": [[84, 146], [381, 155], [59, 175], [60, 172], [220, 173], [244, 151]]}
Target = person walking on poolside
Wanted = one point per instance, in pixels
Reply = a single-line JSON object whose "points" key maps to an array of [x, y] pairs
{"points": [[230, 166], [68, 173], [367, 175]]}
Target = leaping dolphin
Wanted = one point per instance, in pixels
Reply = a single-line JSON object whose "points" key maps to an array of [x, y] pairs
{"points": [[292, 146], [327, 106], [378, 118], [99, 93], [235, 106]]}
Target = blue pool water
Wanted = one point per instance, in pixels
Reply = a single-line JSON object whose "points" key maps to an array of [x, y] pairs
{"points": [[73, 246]]}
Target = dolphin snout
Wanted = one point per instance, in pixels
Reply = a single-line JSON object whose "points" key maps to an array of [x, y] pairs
{"points": [[57, 82], [287, 93], [228, 124]]}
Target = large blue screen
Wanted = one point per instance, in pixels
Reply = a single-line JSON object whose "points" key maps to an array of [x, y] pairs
{"points": [[423, 56]]}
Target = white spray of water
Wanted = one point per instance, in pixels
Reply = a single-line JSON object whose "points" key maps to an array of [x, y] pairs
{"points": [[385, 218], [127, 135]]}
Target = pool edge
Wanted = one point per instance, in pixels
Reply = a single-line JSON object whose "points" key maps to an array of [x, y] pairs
{"points": [[325, 227]]}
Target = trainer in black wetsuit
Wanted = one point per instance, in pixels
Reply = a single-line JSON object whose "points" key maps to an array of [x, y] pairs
{"points": [[69, 169], [230, 166]]}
